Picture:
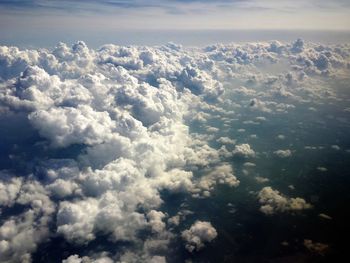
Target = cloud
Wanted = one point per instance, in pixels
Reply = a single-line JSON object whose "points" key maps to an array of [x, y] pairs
{"points": [[281, 137], [77, 259], [226, 140], [283, 153], [335, 147], [221, 174], [94, 139], [261, 180], [198, 234], [316, 247], [298, 46], [62, 188], [20, 235], [66, 126], [9, 191], [322, 169], [272, 202], [243, 150], [76, 220], [324, 216]]}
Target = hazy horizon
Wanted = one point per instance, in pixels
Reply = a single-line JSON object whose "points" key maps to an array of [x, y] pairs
{"points": [[199, 38]]}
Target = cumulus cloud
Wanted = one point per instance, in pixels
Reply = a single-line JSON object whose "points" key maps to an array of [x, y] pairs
{"points": [[200, 82], [222, 174], [76, 220], [98, 136], [226, 140], [243, 150], [66, 126], [20, 235], [62, 188], [9, 191], [130, 136], [273, 201], [156, 220], [85, 259], [283, 153], [261, 180], [198, 234]]}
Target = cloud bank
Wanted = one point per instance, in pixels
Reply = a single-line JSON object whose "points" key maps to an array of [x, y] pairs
{"points": [[94, 138]]}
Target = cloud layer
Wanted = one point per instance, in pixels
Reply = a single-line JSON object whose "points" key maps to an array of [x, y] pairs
{"points": [[94, 138]]}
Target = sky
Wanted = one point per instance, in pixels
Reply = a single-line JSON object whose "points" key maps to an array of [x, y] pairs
{"points": [[71, 15], [44, 23]]}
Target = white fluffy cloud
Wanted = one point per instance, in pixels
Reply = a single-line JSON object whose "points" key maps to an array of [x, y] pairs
{"points": [[222, 174], [243, 150], [273, 201], [76, 220], [77, 259], [9, 191], [198, 234], [107, 131], [20, 235]]}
